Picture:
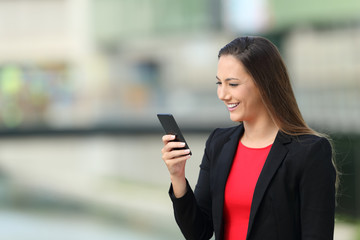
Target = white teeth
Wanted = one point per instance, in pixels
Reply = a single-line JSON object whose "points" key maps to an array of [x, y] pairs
{"points": [[232, 105]]}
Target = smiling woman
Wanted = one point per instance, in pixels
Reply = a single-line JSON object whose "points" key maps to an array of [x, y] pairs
{"points": [[238, 91], [272, 177]]}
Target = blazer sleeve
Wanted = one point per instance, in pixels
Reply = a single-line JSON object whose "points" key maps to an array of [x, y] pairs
{"points": [[193, 210], [317, 193]]}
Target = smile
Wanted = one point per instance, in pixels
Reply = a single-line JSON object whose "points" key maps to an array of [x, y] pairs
{"points": [[232, 106]]}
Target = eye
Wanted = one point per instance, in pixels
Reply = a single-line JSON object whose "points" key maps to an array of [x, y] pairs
{"points": [[218, 83], [233, 84]]}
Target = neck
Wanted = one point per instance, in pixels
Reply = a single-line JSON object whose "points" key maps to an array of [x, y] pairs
{"points": [[259, 133]]}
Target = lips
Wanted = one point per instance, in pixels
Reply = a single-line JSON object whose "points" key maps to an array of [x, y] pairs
{"points": [[232, 106]]}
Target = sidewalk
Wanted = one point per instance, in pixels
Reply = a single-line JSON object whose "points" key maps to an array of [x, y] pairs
{"points": [[345, 231]]}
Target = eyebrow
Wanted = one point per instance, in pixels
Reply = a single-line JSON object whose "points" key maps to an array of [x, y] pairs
{"points": [[227, 79]]}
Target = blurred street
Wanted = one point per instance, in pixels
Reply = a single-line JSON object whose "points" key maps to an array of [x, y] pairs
{"points": [[93, 187], [64, 186]]}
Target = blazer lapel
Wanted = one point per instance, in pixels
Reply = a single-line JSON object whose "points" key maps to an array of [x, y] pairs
{"points": [[276, 156], [226, 158]]}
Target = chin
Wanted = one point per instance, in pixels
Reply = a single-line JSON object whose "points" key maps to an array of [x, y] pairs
{"points": [[235, 118]]}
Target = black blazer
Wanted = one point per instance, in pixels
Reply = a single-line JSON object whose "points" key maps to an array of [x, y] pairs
{"points": [[294, 197]]}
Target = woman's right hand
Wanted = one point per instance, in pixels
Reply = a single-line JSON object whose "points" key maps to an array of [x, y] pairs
{"points": [[175, 161]]}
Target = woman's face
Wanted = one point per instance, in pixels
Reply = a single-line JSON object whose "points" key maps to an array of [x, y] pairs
{"points": [[237, 90]]}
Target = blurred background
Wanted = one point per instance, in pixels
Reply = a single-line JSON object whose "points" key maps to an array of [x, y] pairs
{"points": [[81, 82]]}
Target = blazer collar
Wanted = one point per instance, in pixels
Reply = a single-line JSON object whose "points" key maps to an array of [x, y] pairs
{"points": [[226, 158], [275, 158]]}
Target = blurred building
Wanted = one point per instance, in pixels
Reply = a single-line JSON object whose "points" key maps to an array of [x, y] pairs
{"points": [[113, 64], [91, 63]]}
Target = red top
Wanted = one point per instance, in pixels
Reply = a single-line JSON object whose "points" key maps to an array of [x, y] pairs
{"points": [[239, 190]]}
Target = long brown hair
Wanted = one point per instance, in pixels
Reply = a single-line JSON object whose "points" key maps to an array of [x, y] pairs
{"points": [[263, 62]]}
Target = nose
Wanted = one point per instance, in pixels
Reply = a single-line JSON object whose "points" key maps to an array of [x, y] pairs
{"points": [[222, 93]]}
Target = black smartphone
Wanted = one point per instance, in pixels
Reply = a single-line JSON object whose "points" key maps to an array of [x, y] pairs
{"points": [[170, 126]]}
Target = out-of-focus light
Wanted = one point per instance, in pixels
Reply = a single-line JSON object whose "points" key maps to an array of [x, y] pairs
{"points": [[10, 80]]}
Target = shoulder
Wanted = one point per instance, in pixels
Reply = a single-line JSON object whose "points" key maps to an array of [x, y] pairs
{"points": [[308, 154], [309, 148], [310, 142], [224, 134], [220, 136]]}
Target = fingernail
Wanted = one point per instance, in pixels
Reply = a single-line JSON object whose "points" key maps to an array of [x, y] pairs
{"points": [[187, 150], [182, 144]]}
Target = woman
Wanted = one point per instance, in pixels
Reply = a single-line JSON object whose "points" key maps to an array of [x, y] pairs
{"points": [[271, 177]]}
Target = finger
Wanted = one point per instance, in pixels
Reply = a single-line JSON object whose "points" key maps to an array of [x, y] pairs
{"points": [[172, 145], [176, 154], [167, 138], [174, 161]]}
